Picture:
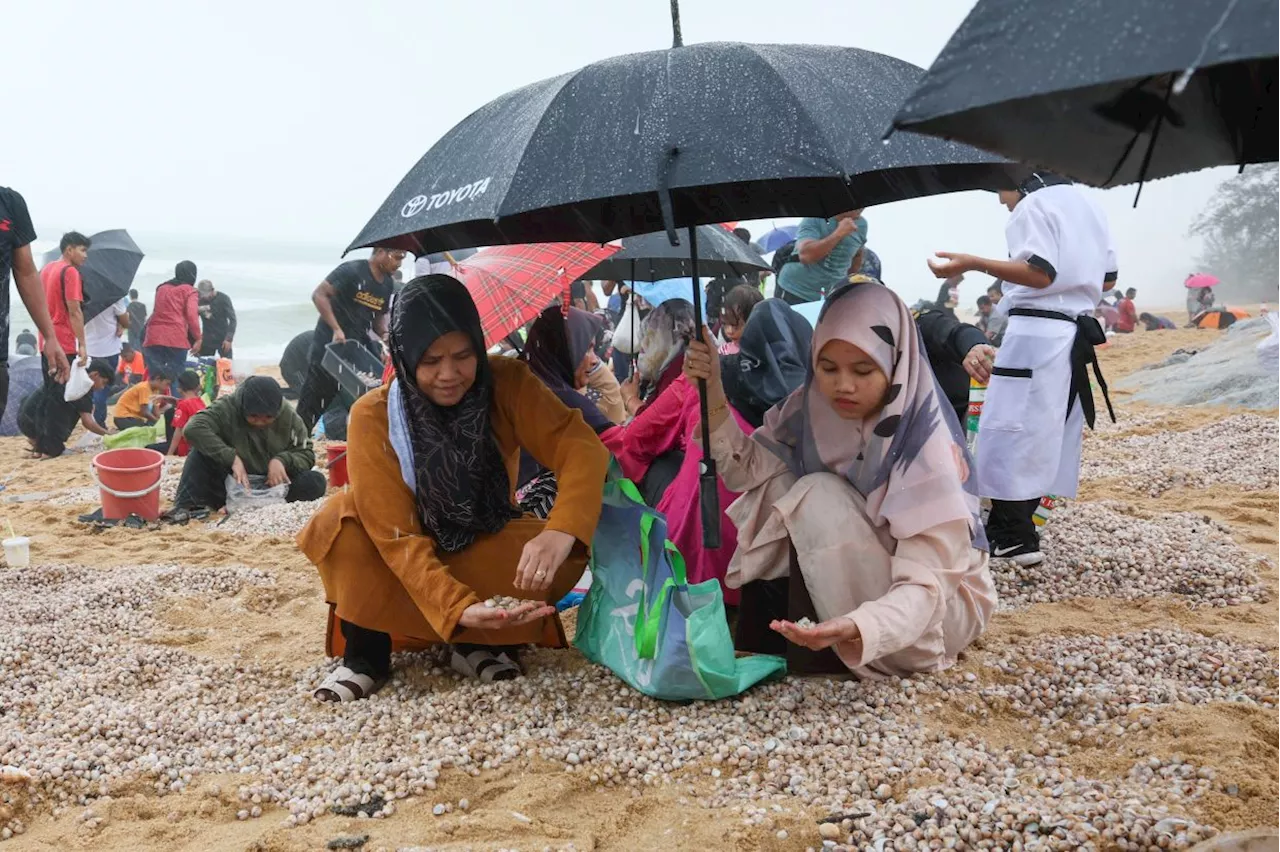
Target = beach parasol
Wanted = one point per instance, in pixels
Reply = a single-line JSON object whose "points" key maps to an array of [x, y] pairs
{"points": [[511, 285], [1107, 92], [671, 139]]}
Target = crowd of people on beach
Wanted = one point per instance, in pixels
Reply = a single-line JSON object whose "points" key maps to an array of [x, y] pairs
{"points": [[476, 471], [120, 354]]}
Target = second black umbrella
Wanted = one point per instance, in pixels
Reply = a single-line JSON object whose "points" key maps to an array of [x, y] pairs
{"points": [[652, 257], [1107, 92]]}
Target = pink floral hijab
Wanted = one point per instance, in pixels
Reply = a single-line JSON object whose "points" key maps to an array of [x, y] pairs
{"points": [[909, 459]]}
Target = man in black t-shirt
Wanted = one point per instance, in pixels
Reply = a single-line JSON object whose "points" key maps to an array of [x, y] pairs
{"points": [[218, 319], [16, 236], [352, 301]]}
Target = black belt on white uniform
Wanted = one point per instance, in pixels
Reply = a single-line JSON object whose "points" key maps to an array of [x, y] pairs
{"points": [[1089, 334]]}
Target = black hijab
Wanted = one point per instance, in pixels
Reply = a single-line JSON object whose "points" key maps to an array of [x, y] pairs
{"points": [[260, 396], [183, 273], [772, 360], [555, 347], [462, 485]]}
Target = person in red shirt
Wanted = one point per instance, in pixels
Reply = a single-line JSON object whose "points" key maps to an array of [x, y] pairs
{"points": [[188, 406], [1128, 318], [174, 327], [64, 295]]}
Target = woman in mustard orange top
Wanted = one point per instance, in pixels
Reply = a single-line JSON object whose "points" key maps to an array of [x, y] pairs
{"points": [[428, 529]]}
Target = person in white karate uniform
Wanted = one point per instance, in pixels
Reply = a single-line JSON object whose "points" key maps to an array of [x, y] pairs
{"points": [[1061, 259]]}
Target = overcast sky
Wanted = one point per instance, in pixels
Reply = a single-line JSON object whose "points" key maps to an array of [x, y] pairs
{"points": [[291, 121]]}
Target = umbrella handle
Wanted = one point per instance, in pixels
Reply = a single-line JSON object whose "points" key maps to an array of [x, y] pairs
{"points": [[709, 504], [708, 492]]}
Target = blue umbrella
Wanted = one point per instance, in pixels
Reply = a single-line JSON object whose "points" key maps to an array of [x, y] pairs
{"points": [[657, 292], [778, 237]]}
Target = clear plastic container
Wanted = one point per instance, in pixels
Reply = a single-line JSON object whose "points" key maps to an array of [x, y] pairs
{"points": [[257, 496]]}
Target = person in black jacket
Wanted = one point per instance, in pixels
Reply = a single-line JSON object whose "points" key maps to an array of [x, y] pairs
{"points": [[957, 350]]}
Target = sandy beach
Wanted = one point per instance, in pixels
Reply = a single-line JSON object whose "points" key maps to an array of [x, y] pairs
{"points": [[1160, 704]]}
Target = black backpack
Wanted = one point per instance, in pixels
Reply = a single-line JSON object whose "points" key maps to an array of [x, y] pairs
{"points": [[784, 255]]}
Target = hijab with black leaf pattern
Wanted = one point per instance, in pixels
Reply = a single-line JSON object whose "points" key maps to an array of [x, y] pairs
{"points": [[461, 481], [908, 460]]}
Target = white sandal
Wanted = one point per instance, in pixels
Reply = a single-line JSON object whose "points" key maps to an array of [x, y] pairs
{"points": [[343, 685], [484, 665]]}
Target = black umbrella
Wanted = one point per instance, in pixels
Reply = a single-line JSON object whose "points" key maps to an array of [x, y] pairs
{"points": [[652, 257], [1108, 92], [108, 270], [674, 138], [714, 132]]}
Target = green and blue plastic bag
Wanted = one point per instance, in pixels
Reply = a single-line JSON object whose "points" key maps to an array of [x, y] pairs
{"points": [[642, 619]]}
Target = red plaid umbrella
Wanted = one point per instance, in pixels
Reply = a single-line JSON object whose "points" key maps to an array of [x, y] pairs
{"points": [[511, 285]]}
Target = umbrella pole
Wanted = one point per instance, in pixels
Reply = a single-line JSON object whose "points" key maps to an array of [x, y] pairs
{"points": [[708, 490], [635, 353]]}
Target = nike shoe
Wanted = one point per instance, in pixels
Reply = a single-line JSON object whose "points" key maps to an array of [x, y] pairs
{"points": [[1020, 554]]}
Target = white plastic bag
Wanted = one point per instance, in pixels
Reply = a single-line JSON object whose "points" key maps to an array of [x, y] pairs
{"points": [[78, 384], [1269, 348], [622, 341]]}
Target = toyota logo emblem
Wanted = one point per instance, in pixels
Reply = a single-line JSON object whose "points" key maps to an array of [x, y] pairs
{"points": [[413, 206]]}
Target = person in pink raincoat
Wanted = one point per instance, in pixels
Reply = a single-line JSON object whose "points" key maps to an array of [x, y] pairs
{"points": [[664, 438]]}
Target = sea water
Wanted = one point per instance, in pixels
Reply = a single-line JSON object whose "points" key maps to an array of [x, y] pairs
{"points": [[270, 285]]}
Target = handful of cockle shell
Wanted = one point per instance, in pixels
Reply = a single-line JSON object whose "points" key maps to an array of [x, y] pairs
{"points": [[806, 621], [504, 602]]}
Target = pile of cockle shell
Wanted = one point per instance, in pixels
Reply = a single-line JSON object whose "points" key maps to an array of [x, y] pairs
{"points": [[1095, 686], [1013, 814], [1102, 550], [73, 668], [282, 520], [1239, 450], [1126, 420], [80, 684]]}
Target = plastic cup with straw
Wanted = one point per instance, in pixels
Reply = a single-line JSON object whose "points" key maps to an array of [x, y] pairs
{"points": [[17, 548]]}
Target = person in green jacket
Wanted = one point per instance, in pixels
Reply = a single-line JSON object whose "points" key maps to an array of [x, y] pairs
{"points": [[253, 432]]}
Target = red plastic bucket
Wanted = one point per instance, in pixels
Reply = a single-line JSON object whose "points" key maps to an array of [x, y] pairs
{"points": [[337, 462], [130, 482]]}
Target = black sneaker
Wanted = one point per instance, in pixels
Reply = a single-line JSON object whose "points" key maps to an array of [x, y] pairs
{"points": [[1020, 554]]}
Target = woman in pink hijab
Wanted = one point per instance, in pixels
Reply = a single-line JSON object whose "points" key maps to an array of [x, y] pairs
{"points": [[857, 509]]}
